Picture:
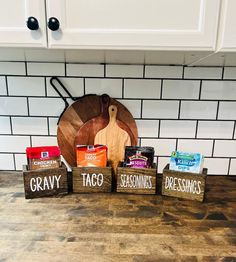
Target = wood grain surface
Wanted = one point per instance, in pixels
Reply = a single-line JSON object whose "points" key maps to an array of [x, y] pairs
{"points": [[92, 179], [114, 137], [117, 227], [81, 111]]}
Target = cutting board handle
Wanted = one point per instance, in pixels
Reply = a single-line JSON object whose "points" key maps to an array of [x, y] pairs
{"points": [[112, 113]]}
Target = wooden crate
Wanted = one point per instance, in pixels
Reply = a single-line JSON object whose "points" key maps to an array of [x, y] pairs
{"points": [[184, 184], [136, 180], [45, 182], [92, 179]]}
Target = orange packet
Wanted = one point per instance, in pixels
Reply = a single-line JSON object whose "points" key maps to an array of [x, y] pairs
{"points": [[91, 156]]}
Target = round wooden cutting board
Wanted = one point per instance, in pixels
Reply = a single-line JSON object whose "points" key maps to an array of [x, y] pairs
{"points": [[81, 111]]}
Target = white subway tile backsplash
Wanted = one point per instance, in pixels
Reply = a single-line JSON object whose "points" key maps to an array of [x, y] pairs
{"points": [[29, 125], [232, 170], [46, 69], [227, 111], [203, 72], [5, 126], [215, 129], [216, 166], [89, 70], [188, 107], [20, 160], [26, 86], [180, 89], [13, 106], [177, 129], [142, 88], [12, 68], [230, 73], [3, 88], [160, 109], [15, 144], [7, 162], [134, 107], [44, 141], [203, 147], [147, 128], [46, 106], [225, 148], [218, 90], [198, 110], [162, 147], [124, 70], [112, 87], [161, 163], [153, 71], [53, 126], [74, 85]]}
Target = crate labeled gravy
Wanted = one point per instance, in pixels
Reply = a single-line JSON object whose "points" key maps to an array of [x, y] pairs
{"points": [[43, 157], [139, 157]]}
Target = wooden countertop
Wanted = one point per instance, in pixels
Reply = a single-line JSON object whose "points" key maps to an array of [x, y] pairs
{"points": [[117, 227]]}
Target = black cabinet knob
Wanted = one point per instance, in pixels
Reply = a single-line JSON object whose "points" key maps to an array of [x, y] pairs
{"points": [[32, 23], [53, 24]]}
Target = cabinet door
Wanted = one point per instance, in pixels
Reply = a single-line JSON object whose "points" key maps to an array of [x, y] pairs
{"points": [[13, 28], [134, 24], [227, 30]]}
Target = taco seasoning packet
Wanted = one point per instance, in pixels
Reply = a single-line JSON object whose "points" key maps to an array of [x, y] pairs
{"points": [[91, 155]]}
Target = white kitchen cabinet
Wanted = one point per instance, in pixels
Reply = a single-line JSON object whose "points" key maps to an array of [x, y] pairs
{"points": [[13, 29], [111, 24], [134, 24], [227, 28]]}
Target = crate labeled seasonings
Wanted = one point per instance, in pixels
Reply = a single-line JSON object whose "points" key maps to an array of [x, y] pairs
{"points": [[138, 174], [43, 157]]}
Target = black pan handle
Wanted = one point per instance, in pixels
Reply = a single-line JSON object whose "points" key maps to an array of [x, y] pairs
{"points": [[55, 79]]}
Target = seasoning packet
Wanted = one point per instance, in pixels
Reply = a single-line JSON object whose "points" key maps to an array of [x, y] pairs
{"points": [[139, 157], [91, 155], [186, 162], [43, 157]]}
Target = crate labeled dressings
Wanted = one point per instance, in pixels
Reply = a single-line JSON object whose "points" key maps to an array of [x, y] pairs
{"points": [[43, 157]]}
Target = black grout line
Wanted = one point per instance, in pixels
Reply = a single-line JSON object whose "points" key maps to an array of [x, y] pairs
{"points": [[26, 69], [217, 110], [84, 80], [65, 69], [141, 109], [176, 144], [179, 111], [123, 88], [28, 109], [14, 161], [161, 90], [45, 83], [223, 71], [105, 70], [213, 148], [234, 132], [183, 72], [144, 71], [200, 90], [7, 88], [11, 125], [159, 129], [196, 131], [229, 166], [48, 124]]}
